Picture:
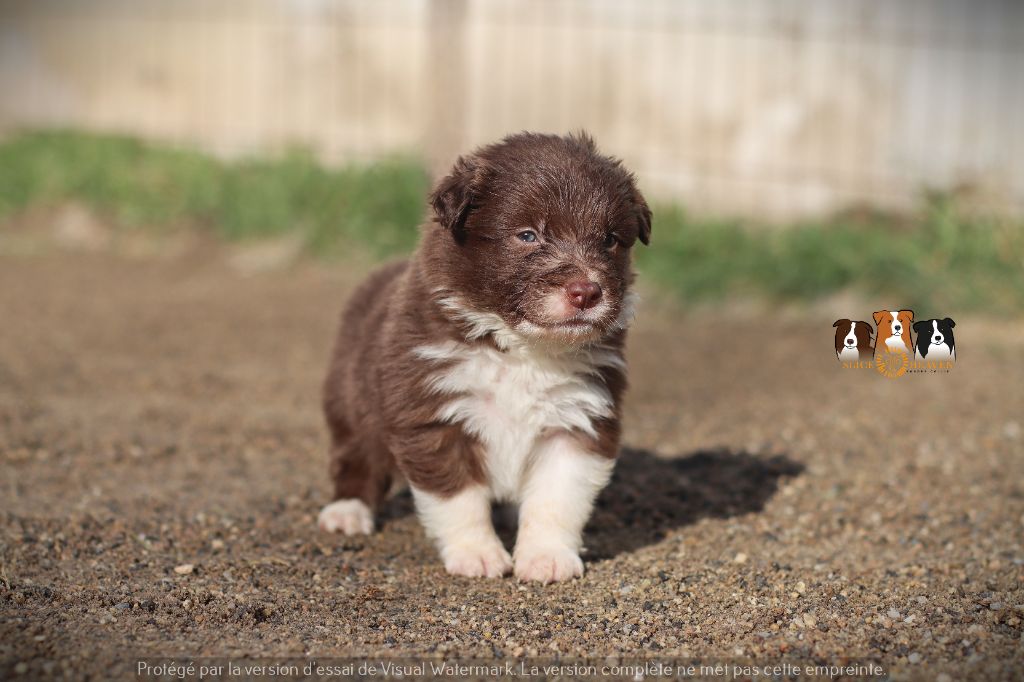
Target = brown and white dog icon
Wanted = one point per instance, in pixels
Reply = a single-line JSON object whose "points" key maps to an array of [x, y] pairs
{"points": [[894, 331], [853, 340]]}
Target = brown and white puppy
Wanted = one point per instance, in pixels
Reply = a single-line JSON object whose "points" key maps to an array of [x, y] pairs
{"points": [[489, 366], [853, 340], [894, 330]]}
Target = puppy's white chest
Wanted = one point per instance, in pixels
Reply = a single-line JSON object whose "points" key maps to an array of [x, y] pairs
{"points": [[896, 343], [508, 400], [936, 352], [849, 354]]}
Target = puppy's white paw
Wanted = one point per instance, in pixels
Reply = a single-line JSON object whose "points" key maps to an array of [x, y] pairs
{"points": [[486, 560], [547, 564], [351, 517]]}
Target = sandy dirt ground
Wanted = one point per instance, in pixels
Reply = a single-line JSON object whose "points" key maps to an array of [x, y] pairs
{"points": [[163, 461]]}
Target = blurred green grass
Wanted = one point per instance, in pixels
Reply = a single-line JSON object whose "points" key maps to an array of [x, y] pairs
{"points": [[148, 186], [941, 261]]}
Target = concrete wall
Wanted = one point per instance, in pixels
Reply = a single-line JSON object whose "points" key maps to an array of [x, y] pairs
{"points": [[775, 108]]}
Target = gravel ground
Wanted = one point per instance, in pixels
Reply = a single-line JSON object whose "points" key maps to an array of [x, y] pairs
{"points": [[163, 460]]}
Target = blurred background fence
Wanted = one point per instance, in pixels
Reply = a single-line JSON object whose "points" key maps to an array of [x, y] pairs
{"points": [[777, 109]]}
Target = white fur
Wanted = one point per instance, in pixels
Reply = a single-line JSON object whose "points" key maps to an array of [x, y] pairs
{"points": [[351, 517], [508, 399], [849, 354], [480, 323], [461, 526], [896, 323], [851, 338], [896, 343], [557, 498], [519, 401], [937, 352]]}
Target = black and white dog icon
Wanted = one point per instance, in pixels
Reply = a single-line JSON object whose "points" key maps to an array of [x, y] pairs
{"points": [[935, 340]]}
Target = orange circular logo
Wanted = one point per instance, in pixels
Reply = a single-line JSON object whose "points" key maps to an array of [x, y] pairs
{"points": [[892, 363]]}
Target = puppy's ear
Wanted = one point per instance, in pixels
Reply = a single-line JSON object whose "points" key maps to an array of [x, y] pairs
{"points": [[643, 217], [918, 326], [453, 198], [950, 322], [839, 322], [878, 316], [909, 314]]}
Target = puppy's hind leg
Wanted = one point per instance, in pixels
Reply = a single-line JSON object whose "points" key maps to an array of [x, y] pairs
{"points": [[361, 478]]}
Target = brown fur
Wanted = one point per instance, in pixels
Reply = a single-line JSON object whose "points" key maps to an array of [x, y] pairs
{"points": [[379, 408], [884, 320], [862, 330]]}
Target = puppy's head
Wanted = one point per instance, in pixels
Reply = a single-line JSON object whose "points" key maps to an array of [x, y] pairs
{"points": [[537, 230], [894, 323], [935, 332], [852, 335]]}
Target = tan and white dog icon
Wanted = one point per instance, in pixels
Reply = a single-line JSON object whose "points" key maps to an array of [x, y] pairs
{"points": [[894, 331]]}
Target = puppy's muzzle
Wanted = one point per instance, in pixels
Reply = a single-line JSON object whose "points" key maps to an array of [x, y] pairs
{"points": [[583, 294]]}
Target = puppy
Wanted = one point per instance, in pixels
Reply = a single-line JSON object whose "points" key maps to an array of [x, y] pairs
{"points": [[853, 340], [935, 340], [489, 366], [893, 330]]}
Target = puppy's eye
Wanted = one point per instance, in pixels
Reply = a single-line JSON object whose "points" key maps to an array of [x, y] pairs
{"points": [[528, 236], [610, 240]]}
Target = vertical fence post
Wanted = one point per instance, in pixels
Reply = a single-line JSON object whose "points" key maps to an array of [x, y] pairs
{"points": [[444, 125]]}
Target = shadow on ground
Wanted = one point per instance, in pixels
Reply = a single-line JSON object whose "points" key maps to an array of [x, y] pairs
{"points": [[650, 496]]}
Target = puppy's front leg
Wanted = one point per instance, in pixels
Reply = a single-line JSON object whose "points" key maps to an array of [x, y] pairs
{"points": [[461, 526], [558, 496]]}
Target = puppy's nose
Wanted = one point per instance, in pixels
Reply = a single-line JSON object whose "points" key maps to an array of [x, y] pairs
{"points": [[583, 294], [936, 339], [897, 330]]}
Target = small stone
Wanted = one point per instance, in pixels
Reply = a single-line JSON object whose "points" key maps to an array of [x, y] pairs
{"points": [[217, 544], [809, 620], [184, 569], [943, 677], [996, 606], [914, 658], [893, 614], [21, 668], [740, 558], [801, 587]]}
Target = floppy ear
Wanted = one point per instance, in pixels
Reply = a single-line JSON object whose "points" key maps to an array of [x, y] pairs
{"points": [[950, 322], [643, 217], [453, 197], [918, 326], [910, 314], [839, 322], [878, 316]]}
